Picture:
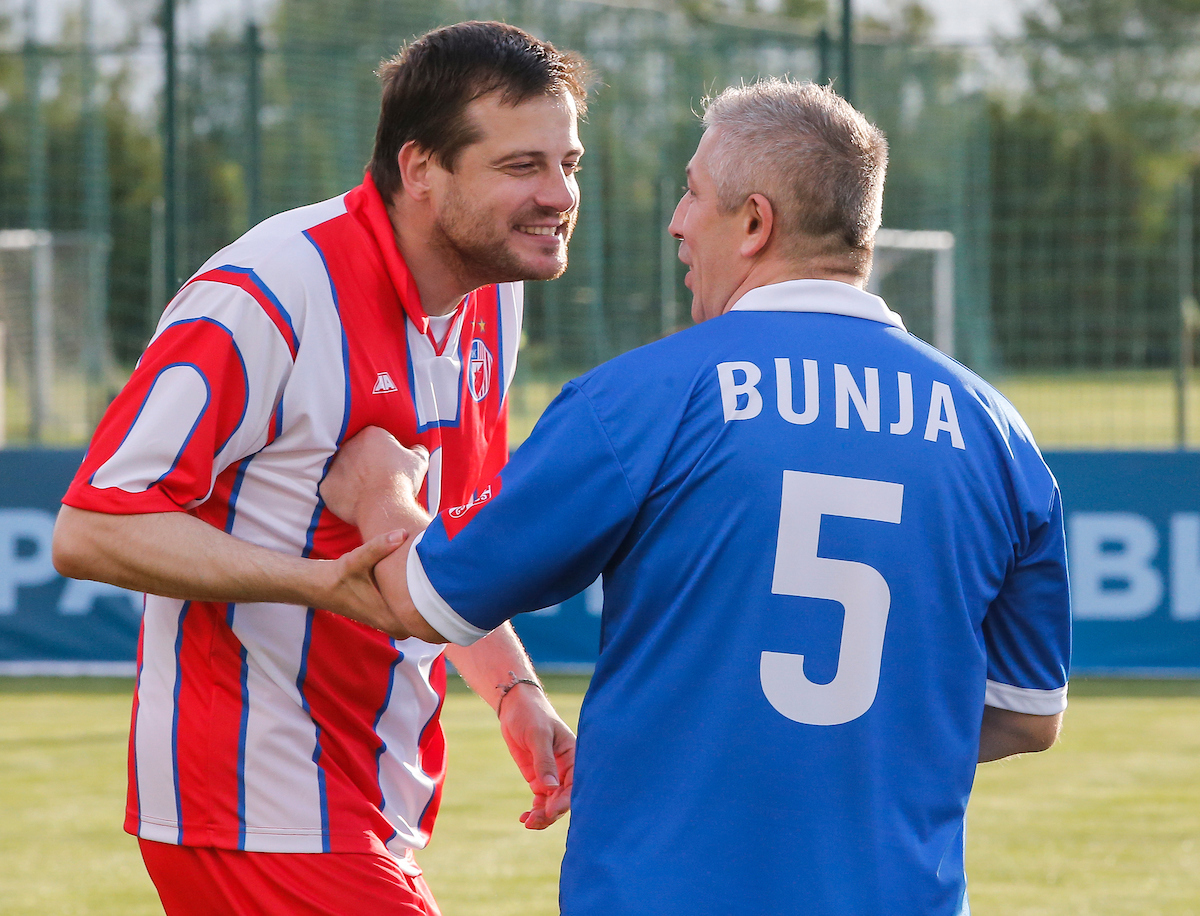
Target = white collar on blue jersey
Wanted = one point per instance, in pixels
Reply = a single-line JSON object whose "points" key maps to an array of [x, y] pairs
{"points": [[830, 296]]}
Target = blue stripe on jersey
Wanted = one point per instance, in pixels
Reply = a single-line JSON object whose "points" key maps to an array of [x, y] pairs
{"points": [[501, 370], [316, 757], [245, 375], [266, 291], [233, 497], [191, 432], [137, 692], [175, 719], [387, 699], [244, 725], [420, 738], [345, 348], [308, 546]]}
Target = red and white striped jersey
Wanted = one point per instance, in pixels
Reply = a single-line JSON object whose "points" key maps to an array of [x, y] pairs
{"points": [[272, 727]]}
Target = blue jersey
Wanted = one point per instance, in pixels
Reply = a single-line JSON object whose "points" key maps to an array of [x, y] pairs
{"points": [[825, 546]]}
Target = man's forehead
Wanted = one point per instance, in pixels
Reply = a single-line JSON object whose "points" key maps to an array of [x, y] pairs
{"points": [[492, 112]]}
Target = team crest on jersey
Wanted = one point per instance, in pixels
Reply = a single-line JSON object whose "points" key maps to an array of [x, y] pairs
{"points": [[383, 384], [479, 370]]}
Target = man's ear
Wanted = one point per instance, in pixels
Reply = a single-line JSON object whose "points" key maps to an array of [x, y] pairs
{"points": [[758, 224], [415, 163]]}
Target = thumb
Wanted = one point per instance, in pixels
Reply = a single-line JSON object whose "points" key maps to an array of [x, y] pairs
{"points": [[544, 765], [378, 547]]}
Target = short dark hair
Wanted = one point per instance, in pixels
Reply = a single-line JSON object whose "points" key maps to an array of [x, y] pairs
{"points": [[428, 85], [808, 151]]}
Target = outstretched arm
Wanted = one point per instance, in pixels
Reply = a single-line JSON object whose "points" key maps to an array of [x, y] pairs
{"points": [[372, 484], [176, 555]]}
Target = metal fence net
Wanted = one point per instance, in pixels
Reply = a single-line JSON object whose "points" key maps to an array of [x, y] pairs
{"points": [[1061, 173]]}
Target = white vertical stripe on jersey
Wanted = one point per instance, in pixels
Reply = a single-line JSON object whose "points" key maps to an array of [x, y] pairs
{"points": [[275, 508], [433, 482], [282, 803], [173, 407], [407, 789], [512, 312], [435, 380], [154, 726]]}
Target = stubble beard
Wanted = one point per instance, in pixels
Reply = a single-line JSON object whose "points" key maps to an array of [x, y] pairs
{"points": [[469, 241]]}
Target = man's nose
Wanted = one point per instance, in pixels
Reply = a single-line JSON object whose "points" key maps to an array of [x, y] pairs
{"points": [[675, 227], [559, 191]]}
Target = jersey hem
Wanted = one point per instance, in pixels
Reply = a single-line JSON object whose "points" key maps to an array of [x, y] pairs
{"points": [[270, 840], [433, 607], [1029, 700]]}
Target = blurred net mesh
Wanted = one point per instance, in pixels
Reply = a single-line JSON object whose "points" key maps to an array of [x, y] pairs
{"points": [[1065, 201]]}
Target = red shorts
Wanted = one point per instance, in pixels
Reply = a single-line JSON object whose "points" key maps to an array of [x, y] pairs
{"points": [[200, 881]]}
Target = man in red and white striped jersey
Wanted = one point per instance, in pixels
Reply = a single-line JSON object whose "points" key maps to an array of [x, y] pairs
{"points": [[266, 728]]}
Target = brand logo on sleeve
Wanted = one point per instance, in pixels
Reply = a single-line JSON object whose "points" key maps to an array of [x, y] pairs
{"points": [[383, 384], [456, 518], [479, 370]]}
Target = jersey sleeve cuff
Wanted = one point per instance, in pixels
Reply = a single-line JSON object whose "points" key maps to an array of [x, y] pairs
{"points": [[1029, 700], [437, 613], [115, 501]]}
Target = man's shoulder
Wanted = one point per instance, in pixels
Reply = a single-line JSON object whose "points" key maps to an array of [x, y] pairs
{"points": [[276, 263], [279, 238]]}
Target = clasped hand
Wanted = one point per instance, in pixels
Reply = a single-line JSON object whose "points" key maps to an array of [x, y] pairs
{"points": [[372, 484], [372, 470]]}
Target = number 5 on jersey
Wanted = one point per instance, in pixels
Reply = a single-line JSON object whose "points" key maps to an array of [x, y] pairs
{"points": [[859, 588]]}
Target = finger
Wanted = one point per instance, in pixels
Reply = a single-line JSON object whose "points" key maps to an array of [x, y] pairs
{"points": [[535, 818], [377, 548], [558, 804], [545, 765]]}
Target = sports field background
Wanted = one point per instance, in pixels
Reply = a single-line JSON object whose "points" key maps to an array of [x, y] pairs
{"points": [[1105, 824], [1063, 162]]}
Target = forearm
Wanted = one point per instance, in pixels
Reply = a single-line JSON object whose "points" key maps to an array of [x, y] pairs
{"points": [[384, 511], [176, 555], [1005, 733], [485, 666], [542, 745]]}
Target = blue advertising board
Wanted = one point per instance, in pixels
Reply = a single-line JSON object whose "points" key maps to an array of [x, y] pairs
{"points": [[1133, 536], [1133, 531], [49, 624]]}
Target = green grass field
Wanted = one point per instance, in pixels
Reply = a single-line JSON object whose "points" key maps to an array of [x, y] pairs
{"points": [[1106, 823]]}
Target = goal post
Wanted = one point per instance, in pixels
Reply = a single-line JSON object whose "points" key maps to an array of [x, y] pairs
{"points": [[52, 306], [38, 244], [914, 272]]}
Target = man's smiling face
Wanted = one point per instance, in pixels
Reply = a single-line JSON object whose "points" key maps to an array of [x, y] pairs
{"points": [[507, 209]]}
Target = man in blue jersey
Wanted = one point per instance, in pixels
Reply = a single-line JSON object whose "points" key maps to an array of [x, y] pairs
{"points": [[833, 558]]}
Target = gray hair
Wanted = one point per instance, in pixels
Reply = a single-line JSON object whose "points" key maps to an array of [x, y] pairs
{"points": [[818, 161]]}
